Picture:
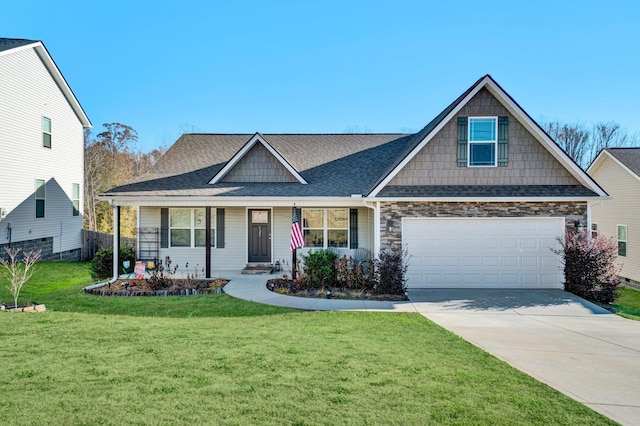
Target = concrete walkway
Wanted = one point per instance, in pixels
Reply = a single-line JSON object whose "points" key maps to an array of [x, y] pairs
{"points": [[579, 349]]}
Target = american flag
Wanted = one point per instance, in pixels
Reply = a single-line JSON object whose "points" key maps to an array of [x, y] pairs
{"points": [[297, 240]]}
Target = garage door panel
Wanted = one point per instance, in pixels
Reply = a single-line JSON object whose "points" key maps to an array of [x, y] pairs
{"points": [[479, 252]]}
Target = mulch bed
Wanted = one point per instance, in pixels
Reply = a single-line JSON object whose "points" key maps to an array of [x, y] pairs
{"points": [[285, 286], [176, 288]]}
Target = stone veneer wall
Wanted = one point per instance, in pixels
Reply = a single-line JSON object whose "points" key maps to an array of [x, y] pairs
{"points": [[46, 245], [391, 213]]}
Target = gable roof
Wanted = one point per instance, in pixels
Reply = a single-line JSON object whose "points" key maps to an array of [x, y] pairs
{"points": [[256, 139], [424, 136], [10, 45], [627, 158], [335, 165]]}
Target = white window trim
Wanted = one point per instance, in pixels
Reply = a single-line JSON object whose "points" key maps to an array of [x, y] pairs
{"points": [[594, 229], [325, 227], [50, 132], [44, 198], [470, 142], [74, 199], [625, 241], [192, 227]]}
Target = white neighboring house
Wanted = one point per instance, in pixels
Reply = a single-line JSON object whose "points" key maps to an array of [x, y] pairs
{"points": [[41, 153]]}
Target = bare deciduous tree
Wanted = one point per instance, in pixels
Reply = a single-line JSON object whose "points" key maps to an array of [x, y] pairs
{"points": [[18, 272], [583, 145]]}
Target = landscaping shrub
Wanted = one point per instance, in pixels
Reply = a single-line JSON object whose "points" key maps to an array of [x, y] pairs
{"points": [[351, 275], [319, 269], [102, 263], [389, 271], [589, 266]]}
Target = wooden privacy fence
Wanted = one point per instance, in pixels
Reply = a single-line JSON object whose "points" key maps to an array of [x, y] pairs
{"points": [[93, 241]]}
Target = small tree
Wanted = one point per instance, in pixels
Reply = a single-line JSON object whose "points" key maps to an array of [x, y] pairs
{"points": [[590, 268], [389, 271], [18, 272]]}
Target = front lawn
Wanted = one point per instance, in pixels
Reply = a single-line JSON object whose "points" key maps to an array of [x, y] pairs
{"points": [[627, 303], [215, 360]]}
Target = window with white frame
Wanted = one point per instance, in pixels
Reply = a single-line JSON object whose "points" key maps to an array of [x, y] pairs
{"points": [[483, 141], [46, 132], [324, 228], [187, 228], [40, 197], [594, 230], [622, 240], [76, 199]]}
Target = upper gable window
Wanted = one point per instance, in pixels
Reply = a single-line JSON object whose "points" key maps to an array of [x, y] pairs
{"points": [[483, 141], [46, 132]]}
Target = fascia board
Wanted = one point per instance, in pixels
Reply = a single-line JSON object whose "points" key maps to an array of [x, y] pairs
{"points": [[427, 139], [57, 76]]}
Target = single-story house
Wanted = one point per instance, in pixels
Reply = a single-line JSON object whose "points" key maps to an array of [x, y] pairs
{"points": [[478, 196], [618, 171]]}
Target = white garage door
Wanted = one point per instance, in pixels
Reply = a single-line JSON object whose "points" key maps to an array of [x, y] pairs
{"points": [[483, 253]]}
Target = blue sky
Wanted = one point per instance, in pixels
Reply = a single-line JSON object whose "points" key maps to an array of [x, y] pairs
{"points": [[332, 66]]}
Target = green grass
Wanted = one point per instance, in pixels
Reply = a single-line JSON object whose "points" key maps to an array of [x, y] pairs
{"points": [[215, 360], [627, 303]]}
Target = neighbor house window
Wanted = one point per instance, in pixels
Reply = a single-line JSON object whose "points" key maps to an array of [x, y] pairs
{"points": [[622, 240], [46, 132], [187, 228], [324, 228], [40, 198], [76, 199], [594, 230], [483, 141]]}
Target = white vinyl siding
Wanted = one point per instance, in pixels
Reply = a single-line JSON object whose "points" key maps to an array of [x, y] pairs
{"points": [[233, 257], [28, 94]]}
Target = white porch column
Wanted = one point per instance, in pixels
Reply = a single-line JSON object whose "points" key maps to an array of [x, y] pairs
{"points": [[116, 240], [376, 229]]}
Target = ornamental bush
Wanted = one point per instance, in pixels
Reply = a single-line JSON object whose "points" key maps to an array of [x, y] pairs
{"points": [[319, 269], [390, 270], [590, 270], [102, 263]]}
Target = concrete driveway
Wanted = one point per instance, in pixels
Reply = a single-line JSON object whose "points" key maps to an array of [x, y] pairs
{"points": [[576, 347]]}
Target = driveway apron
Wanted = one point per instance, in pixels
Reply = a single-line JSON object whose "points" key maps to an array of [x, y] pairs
{"points": [[572, 345]]}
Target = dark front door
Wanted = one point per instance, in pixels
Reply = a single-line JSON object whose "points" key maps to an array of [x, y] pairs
{"points": [[260, 236]]}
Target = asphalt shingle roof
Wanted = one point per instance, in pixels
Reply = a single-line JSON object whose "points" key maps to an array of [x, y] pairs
{"points": [[12, 43], [630, 157], [332, 164]]}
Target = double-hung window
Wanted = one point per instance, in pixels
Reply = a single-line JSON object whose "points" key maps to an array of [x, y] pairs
{"points": [[594, 230], [187, 228], [76, 199], [622, 240], [46, 132], [483, 141], [324, 228], [40, 197]]}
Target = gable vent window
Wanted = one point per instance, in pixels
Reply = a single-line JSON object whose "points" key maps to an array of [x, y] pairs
{"points": [[483, 141], [46, 132]]}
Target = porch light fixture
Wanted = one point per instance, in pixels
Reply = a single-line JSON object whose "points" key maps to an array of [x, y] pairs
{"points": [[578, 225]]}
